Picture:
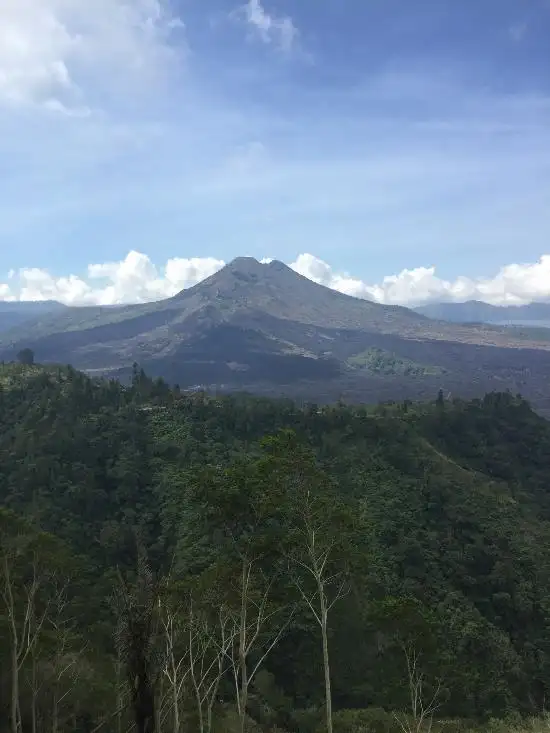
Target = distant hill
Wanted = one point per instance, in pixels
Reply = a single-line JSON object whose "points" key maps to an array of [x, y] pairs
{"points": [[264, 328], [15, 313], [474, 311]]}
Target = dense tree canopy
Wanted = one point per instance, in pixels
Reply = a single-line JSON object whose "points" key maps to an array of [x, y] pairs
{"points": [[433, 519]]}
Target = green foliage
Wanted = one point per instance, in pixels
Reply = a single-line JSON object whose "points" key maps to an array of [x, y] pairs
{"points": [[378, 361], [442, 516], [368, 720], [26, 356]]}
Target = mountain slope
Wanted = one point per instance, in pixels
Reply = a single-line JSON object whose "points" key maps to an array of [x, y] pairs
{"points": [[243, 286], [244, 290], [13, 314], [474, 311], [265, 328]]}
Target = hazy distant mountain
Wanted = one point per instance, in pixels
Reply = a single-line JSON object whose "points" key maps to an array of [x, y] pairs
{"points": [[474, 311], [13, 314], [264, 328]]}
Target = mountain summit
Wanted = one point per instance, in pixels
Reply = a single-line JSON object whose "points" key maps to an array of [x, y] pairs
{"points": [[246, 285], [263, 327], [246, 274]]}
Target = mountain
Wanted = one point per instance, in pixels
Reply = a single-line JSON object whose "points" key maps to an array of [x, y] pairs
{"points": [[13, 314], [475, 311], [264, 328]]}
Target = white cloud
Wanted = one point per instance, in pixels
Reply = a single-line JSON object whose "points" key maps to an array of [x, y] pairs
{"points": [[136, 279], [5, 292], [270, 29], [512, 285], [52, 51]]}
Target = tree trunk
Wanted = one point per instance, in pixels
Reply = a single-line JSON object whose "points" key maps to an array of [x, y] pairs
{"points": [[118, 695], [214, 694], [144, 703], [55, 714], [326, 663], [15, 727], [34, 696], [243, 695], [176, 704]]}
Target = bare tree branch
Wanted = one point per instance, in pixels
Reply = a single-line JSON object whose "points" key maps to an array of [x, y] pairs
{"points": [[422, 708]]}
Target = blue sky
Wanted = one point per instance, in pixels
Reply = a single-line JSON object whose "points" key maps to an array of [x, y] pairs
{"points": [[378, 136]]}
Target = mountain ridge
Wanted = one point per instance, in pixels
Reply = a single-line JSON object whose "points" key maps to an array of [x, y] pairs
{"points": [[477, 311], [263, 327], [247, 284], [16, 312]]}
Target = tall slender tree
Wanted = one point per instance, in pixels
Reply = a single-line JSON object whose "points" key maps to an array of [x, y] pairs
{"points": [[238, 514], [319, 531], [137, 640]]}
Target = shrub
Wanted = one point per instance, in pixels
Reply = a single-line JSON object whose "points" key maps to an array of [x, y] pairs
{"points": [[368, 720]]}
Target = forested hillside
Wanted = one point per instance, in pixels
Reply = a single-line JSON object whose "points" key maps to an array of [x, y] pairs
{"points": [[195, 563]]}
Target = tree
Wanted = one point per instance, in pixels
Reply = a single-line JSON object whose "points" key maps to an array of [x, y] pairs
{"points": [[212, 636], [137, 638], [66, 663], [26, 356], [237, 511], [409, 630], [319, 530], [174, 657], [28, 560], [423, 704], [257, 628], [195, 641]]}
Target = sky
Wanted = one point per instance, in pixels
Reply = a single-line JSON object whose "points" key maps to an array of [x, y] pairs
{"points": [[394, 150]]}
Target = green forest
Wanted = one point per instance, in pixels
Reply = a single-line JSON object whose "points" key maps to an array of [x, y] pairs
{"points": [[175, 562]]}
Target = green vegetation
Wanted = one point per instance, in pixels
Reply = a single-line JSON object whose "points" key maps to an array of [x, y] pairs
{"points": [[26, 356], [378, 361], [191, 563]]}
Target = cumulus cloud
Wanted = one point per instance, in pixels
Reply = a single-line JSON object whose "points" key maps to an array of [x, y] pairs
{"points": [[5, 292], [515, 284], [136, 279], [270, 29], [49, 49]]}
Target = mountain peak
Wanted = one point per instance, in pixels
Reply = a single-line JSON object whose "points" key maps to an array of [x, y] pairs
{"points": [[246, 265], [244, 273], [250, 265]]}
